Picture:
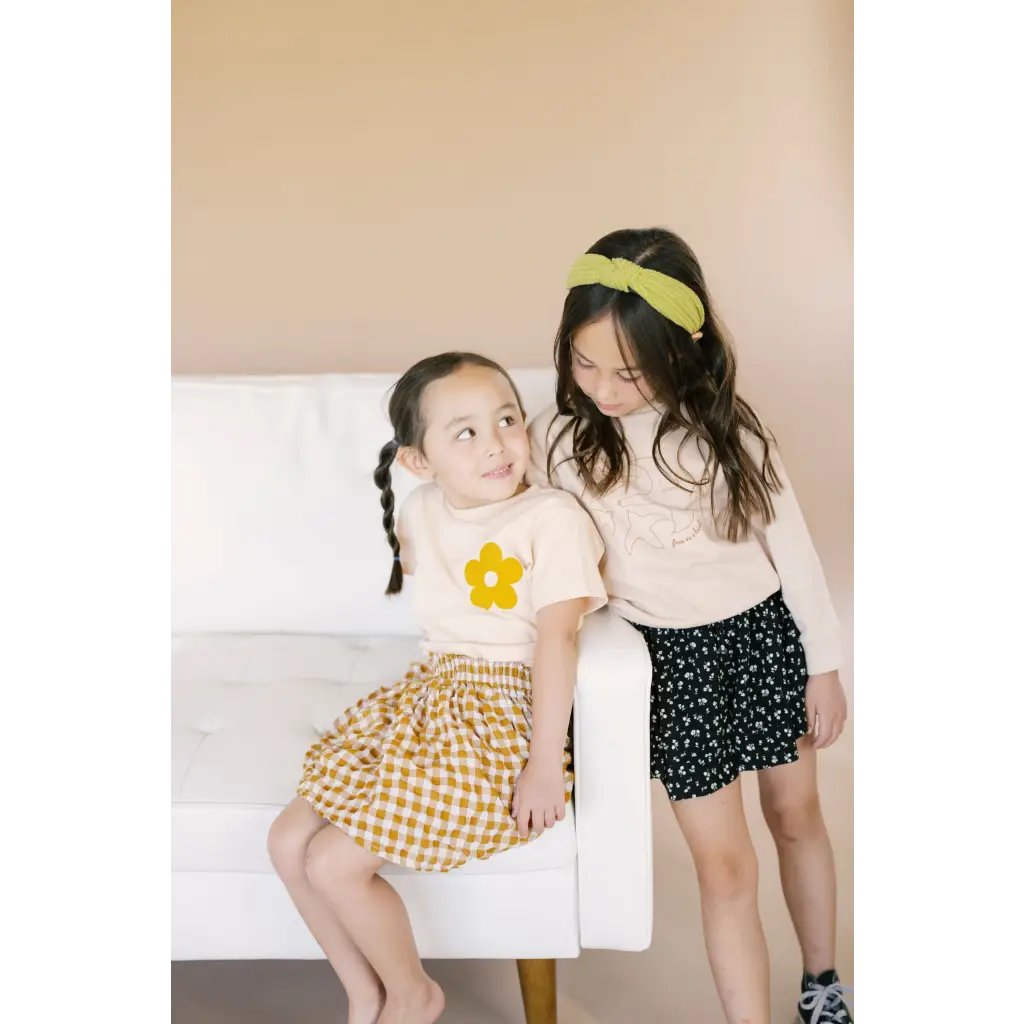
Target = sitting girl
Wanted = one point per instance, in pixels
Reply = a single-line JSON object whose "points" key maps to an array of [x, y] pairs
{"points": [[465, 757]]}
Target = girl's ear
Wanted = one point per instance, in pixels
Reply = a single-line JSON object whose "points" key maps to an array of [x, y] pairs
{"points": [[412, 461]]}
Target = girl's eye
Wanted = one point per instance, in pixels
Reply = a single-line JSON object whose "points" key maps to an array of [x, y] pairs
{"points": [[630, 378], [507, 421], [582, 365], [465, 435]]}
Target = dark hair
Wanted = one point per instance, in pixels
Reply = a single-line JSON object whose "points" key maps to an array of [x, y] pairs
{"points": [[404, 411], [695, 381]]}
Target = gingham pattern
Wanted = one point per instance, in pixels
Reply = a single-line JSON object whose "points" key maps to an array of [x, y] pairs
{"points": [[423, 773]]}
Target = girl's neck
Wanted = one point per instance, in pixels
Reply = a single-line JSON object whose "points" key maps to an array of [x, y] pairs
{"points": [[643, 419], [457, 505]]}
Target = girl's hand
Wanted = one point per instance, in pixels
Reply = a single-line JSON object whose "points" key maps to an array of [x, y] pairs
{"points": [[826, 703], [539, 799]]}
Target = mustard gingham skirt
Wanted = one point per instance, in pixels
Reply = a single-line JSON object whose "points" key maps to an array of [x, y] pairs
{"points": [[423, 773]]}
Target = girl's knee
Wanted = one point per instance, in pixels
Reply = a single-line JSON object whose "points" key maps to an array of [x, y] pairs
{"points": [[334, 859], [791, 821], [318, 865], [728, 874], [286, 844]]}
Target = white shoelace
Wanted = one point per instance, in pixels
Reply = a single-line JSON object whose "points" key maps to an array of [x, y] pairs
{"points": [[827, 1003]]}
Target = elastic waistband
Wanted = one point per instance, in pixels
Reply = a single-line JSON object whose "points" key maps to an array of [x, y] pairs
{"points": [[459, 668]]}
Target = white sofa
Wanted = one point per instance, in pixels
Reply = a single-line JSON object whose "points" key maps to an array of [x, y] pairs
{"points": [[280, 622]]}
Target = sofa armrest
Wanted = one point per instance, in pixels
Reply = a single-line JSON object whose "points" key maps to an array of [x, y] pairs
{"points": [[613, 789]]}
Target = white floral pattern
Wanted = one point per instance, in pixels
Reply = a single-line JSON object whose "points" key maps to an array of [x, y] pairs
{"points": [[726, 698]]}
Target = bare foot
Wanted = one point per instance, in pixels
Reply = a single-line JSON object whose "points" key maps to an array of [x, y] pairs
{"points": [[421, 1007], [366, 1010]]}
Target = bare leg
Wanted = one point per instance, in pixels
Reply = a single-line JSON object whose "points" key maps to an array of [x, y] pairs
{"points": [[716, 831], [789, 799], [373, 914], [289, 839]]}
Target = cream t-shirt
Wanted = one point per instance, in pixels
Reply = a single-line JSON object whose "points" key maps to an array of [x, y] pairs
{"points": [[482, 574], [667, 565]]}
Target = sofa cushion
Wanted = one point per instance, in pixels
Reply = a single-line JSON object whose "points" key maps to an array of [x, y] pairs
{"points": [[244, 711]]}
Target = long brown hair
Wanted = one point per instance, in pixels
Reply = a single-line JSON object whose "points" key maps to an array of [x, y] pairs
{"points": [[405, 413], [694, 381]]}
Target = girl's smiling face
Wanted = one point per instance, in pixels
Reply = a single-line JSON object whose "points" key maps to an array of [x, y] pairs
{"points": [[475, 447]]}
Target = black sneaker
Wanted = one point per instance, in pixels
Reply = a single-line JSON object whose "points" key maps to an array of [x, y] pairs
{"points": [[823, 1000]]}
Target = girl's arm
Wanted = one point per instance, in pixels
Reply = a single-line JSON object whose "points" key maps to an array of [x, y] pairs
{"points": [[405, 547], [554, 676], [540, 792], [566, 585], [788, 543], [405, 520], [804, 589]]}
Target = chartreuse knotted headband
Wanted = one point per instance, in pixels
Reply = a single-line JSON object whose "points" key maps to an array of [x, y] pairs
{"points": [[671, 298]]}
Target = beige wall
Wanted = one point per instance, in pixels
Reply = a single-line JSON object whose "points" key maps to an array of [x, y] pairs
{"points": [[357, 185]]}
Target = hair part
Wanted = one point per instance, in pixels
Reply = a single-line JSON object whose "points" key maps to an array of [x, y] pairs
{"points": [[694, 382], [405, 410]]}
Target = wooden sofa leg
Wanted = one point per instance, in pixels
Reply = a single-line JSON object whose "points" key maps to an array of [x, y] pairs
{"points": [[537, 983]]}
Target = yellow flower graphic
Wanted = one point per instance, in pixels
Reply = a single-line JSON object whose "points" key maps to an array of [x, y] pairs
{"points": [[492, 577]]}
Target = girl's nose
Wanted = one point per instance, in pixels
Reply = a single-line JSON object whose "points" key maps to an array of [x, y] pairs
{"points": [[494, 445]]}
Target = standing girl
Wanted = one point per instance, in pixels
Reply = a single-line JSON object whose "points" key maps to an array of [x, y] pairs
{"points": [[466, 756], [708, 556]]}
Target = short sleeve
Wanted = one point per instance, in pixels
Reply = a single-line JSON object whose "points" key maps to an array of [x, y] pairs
{"points": [[567, 552]]}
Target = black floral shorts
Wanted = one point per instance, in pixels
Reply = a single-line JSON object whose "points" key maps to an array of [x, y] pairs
{"points": [[726, 698]]}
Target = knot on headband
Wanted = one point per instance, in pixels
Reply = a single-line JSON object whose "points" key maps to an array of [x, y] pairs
{"points": [[622, 274], [671, 298]]}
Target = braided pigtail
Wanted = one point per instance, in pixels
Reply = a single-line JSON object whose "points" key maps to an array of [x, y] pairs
{"points": [[382, 478]]}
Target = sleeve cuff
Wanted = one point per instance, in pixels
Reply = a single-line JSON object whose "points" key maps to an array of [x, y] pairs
{"points": [[823, 654]]}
